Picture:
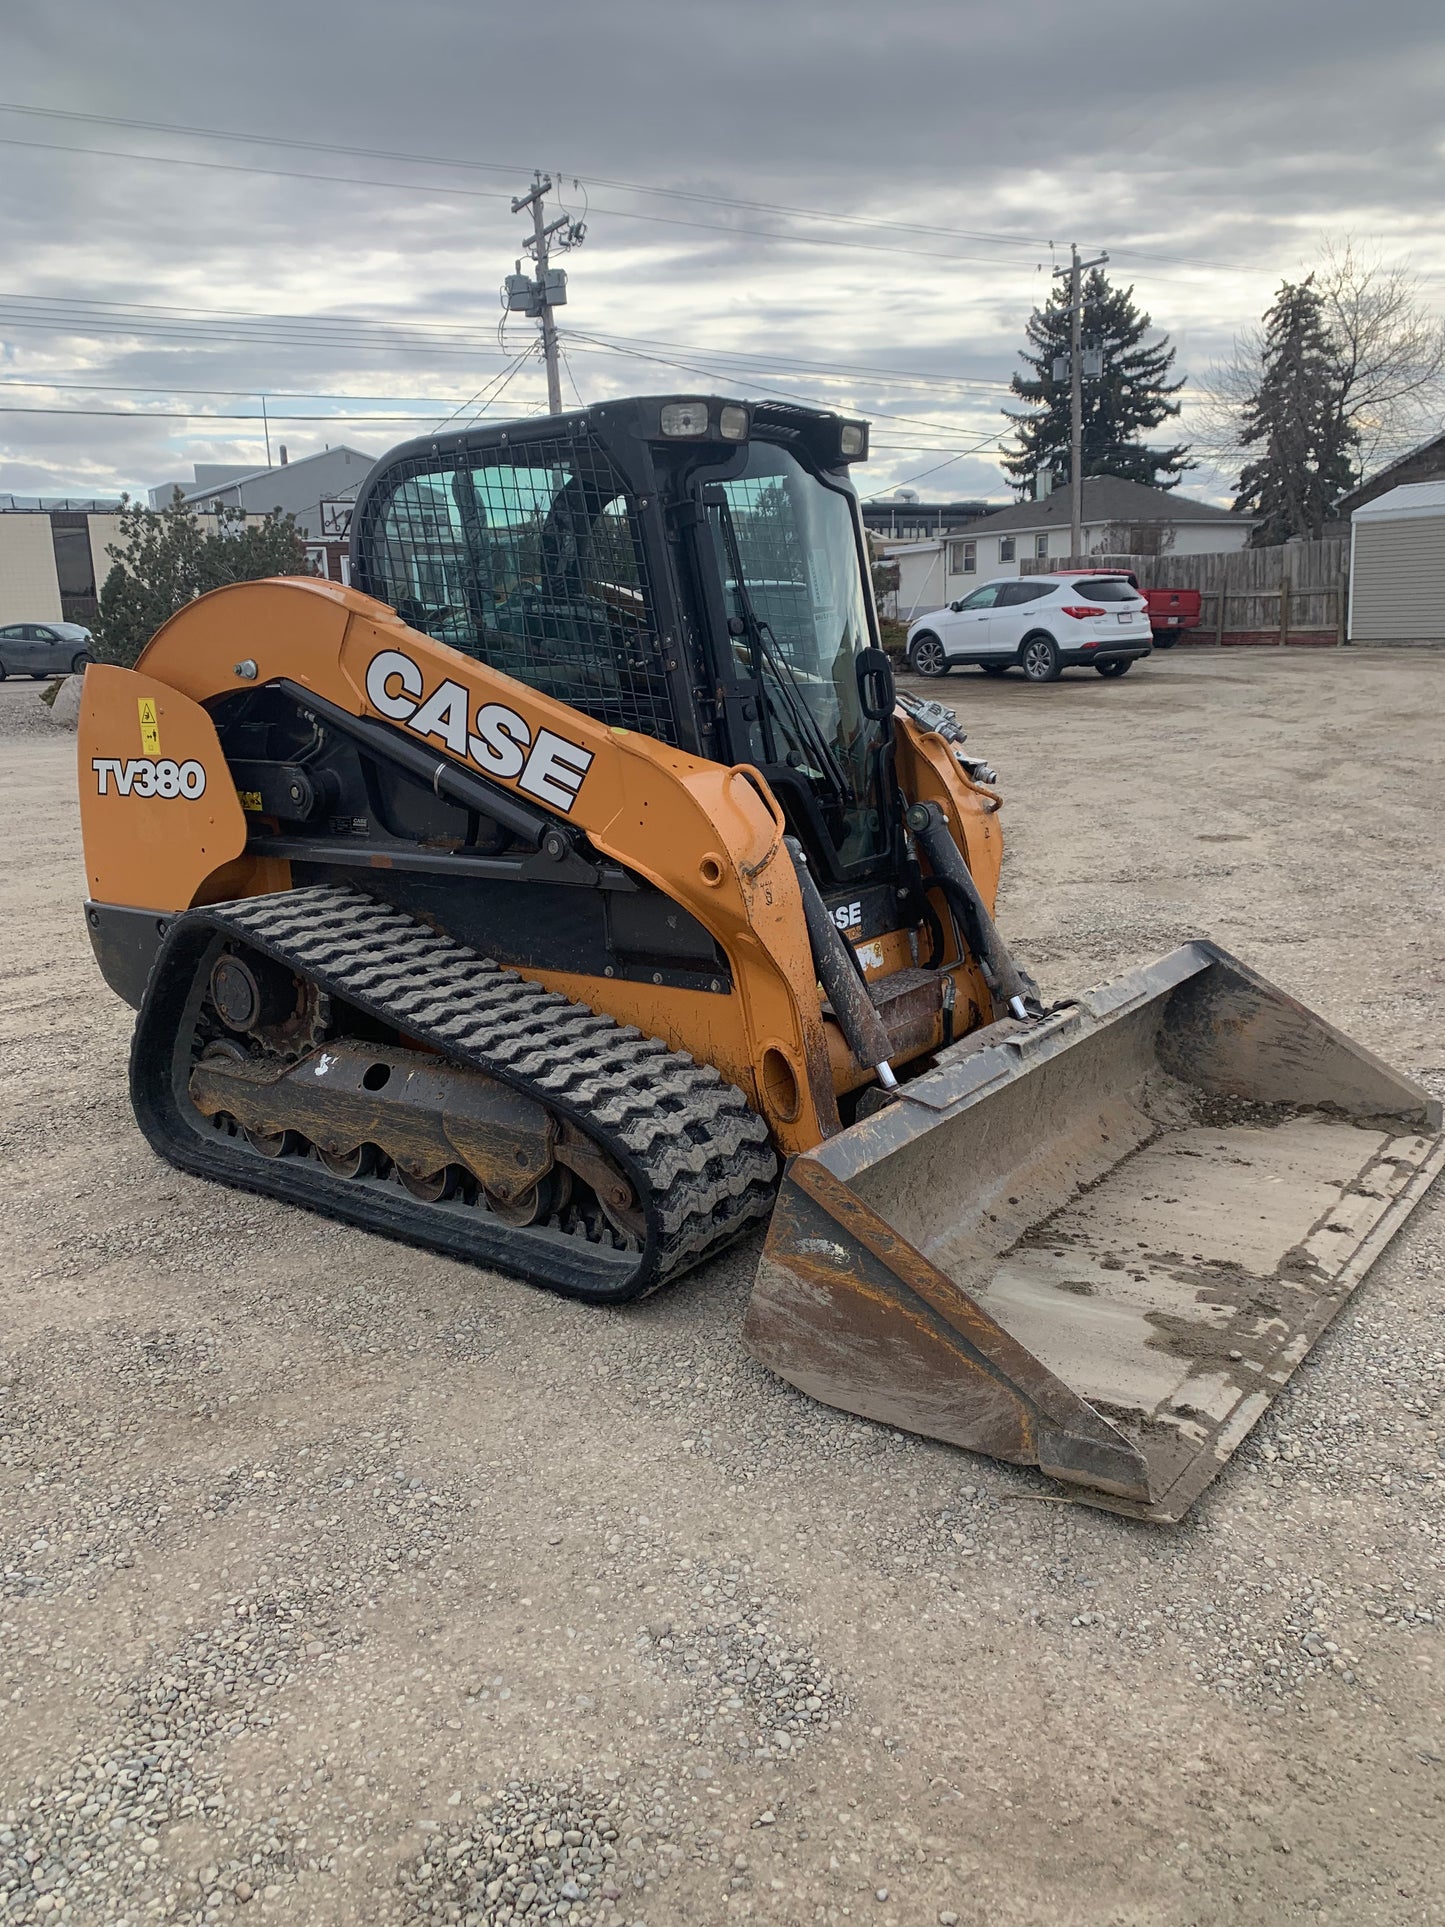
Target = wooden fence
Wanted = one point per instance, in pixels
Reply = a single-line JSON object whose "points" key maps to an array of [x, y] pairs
{"points": [[1297, 593]]}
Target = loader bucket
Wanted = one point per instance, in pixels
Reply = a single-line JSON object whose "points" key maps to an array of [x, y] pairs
{"points": [[1099, 1244]]}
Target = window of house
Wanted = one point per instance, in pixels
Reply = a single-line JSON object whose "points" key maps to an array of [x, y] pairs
{"points": [[963, 558], [1041, 547], [1006, 548]]}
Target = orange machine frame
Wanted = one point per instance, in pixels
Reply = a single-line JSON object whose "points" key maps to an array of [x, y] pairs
{"points": [[709, 837]]}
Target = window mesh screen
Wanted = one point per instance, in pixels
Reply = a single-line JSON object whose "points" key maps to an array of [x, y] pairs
{"points": [[529, 558]]}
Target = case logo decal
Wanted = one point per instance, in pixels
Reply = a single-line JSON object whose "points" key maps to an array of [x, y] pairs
{"points": [[497, 740], [142, 776]]}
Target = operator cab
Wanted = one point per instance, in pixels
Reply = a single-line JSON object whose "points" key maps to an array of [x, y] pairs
{"points": [[692, 568]]}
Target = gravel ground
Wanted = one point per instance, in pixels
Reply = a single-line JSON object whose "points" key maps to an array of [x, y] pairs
{"points": [[340, 1583]]}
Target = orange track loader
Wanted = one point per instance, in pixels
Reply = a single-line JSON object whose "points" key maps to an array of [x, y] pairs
{"points": [[575, 892]]}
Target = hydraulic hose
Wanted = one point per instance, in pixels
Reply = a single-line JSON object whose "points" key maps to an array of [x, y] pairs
{"points": [[929, 824], [840, 976]]}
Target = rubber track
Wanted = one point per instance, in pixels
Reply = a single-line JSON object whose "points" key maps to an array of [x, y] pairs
{"points": [[697, 1154]]}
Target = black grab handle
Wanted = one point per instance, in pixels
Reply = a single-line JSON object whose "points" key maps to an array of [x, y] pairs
{"points": [[875, 684]]}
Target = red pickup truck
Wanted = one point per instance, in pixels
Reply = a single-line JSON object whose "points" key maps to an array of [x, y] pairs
{"points": [[1170, 610]]}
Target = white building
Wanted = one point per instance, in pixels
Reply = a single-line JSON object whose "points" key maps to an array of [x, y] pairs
{"points": [[55, 554], [1120, 518], [1397, 566], [52, 557]]}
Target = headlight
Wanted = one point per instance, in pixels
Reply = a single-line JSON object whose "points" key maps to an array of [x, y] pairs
{"points": [[853, 441], [683, 418], [732, 423]]}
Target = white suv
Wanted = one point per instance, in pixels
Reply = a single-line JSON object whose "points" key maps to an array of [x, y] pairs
{"points": [[1043, 623]]}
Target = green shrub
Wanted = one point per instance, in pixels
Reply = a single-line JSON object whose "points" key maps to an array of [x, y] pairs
{"points": [[164, 558]]}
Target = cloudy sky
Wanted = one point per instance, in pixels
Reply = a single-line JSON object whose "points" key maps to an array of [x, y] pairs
{"points": [[855, 204]]}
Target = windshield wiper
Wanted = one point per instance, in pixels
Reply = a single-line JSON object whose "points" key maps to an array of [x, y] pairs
{"points": [[765, 648], [803, 718]]}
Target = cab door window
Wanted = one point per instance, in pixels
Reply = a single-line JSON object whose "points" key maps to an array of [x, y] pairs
{"points": [[530, 559]]}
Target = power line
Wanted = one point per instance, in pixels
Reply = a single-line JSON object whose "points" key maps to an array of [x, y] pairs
{"points": [[130, 328], [51, 311], [207, 324], [601, 344], [923, 476], [142, 316], [90, 327], [391, 421], [272, 394], [875, 222], [444, 190], [840, 370], [789, 394], [202, 415], [498, 388], [572, 379], [245, 314], [53, 308], [890, 377]]}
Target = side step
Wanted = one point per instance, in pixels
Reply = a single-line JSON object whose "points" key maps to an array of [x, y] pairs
{"points": [[1100, 1244]]}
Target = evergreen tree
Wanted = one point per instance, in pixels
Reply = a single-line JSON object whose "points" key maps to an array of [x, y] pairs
{"points": [[167, 556], [1132, 395], [1293, 418]]}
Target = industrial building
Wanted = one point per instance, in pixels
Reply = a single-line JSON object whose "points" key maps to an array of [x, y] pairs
{"points": [[310, 489]]}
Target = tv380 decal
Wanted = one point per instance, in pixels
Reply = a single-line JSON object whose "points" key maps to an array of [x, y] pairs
{"points": [[145, 776], [496, 738]]}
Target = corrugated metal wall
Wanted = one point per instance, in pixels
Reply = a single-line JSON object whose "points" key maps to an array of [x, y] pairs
{"points": [[1398, 593]]}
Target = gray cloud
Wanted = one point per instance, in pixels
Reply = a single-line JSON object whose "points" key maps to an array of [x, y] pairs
{"points": [[1209, 149]]}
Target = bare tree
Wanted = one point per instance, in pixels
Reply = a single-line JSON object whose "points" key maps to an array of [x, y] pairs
{"points": [[1389, 351], [1388, 355]]}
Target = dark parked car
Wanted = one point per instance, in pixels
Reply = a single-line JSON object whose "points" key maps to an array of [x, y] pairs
{"points": [[43, 649]]}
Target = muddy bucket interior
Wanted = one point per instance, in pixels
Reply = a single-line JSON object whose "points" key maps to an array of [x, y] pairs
{"points": [[1100, 1244]]}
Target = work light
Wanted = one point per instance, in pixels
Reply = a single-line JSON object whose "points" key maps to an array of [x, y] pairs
{"points": [[683, 418]]}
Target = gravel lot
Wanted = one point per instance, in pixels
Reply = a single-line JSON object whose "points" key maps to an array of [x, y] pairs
{"points": [[344, 1584]]}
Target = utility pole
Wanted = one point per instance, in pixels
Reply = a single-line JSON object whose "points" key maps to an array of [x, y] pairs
{"points": [[1076, 271], [539, 297]]}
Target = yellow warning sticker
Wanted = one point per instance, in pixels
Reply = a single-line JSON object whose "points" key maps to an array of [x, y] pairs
{"points": [[150, 735]]}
